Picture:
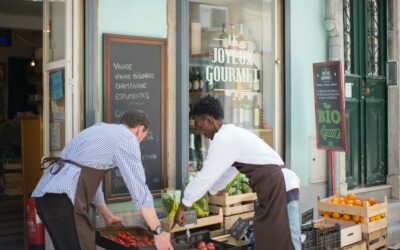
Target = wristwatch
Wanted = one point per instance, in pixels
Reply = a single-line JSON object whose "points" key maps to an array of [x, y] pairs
{"points": [[158, 230]]}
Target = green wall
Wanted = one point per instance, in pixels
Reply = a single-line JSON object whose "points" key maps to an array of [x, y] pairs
{"points": [[129, 17], [308, 45]]}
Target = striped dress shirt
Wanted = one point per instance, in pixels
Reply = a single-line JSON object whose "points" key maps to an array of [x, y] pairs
{"points": [[102, 146]]}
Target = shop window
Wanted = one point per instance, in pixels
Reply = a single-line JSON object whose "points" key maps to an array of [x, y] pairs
{"points": [[231, 57]]}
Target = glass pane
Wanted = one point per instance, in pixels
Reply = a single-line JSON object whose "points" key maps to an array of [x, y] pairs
{"points": [[231, 57], [56, 31], [57, 111]]}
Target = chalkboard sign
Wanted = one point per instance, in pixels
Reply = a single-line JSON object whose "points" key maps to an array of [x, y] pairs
{"points": [[307, 216], [330, 116], [135, 78], [239, 228]]}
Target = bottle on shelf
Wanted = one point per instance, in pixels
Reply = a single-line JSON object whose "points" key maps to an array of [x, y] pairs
{"points": [[197, 146], [191, 80], [192, 154], [247, 112], [251, 44], [201, 150], [223, 37], [241, 40], [196, 82], [191, 119], [233, 43], [257, 112], [228, 107], [256, 82], [235, 110], [201, 82], [241, 110]]}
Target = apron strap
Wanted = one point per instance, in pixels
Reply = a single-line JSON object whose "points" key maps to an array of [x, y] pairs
{"points": [[61, 162]]}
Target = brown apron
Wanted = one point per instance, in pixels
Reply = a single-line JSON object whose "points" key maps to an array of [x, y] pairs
{"points": [[271, 222], [88, 182]]}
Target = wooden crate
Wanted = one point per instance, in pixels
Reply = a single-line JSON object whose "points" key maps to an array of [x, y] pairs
{"points": [[202, 222], [230, 220], [376, 239], [362, 245], [228, 239], [233, 207], [348, 235], [234, 204], [366, 211]]}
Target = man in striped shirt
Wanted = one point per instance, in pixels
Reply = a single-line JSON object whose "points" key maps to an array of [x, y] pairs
{"points": [[72, 182]]}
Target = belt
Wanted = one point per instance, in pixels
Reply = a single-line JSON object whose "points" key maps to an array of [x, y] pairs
{"points": [[60, 162]]}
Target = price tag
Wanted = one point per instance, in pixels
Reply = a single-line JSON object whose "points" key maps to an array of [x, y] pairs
{"points": [[190, 217], [307, 216], [239, 229]]}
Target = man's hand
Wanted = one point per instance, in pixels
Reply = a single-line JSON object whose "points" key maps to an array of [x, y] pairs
{"points": [[109, 218], [163, 241], [113, 220], [180, 216]]}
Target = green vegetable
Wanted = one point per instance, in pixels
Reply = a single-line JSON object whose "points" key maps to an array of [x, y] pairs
{"points": [[238, 185], [200, 205], [170, 205]]}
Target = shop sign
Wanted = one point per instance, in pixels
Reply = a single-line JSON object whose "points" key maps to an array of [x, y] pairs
{"points": [[330, 116], [230, 65]]}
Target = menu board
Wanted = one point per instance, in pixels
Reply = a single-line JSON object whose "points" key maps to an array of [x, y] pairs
{"points": [[330, 116], [134, 78]]}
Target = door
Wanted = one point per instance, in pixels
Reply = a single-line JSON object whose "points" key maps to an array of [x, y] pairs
{"points": [[61, 43], [366, 94]]}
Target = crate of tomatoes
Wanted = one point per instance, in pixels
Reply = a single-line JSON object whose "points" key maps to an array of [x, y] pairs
{"points": [[349, 209], [129, 238]]}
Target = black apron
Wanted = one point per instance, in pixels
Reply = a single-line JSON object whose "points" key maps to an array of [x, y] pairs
{"points": [[271, 221]]}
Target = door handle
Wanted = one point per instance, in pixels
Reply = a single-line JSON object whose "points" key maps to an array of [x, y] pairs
{"points": [[366, 91]]}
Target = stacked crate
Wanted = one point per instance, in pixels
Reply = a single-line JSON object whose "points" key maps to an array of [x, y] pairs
{"points": [[373, 224], [233, 207], [214, 219]]}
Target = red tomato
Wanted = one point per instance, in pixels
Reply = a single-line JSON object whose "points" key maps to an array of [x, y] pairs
{"points": [[210, 246], [201, 244]]}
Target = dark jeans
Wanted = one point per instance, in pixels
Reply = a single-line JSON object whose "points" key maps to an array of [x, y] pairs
{"points": [[57, 214]]}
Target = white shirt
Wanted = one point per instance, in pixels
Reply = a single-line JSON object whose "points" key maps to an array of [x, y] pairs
{"points": [[233, 144]]}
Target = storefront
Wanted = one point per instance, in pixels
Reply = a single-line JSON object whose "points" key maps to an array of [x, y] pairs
{"points": [[254, 56]]}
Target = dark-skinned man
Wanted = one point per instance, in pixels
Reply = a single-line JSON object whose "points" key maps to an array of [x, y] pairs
{"points": [[233, 149]]}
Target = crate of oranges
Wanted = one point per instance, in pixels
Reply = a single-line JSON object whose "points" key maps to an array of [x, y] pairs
{"points": [[349, 209]]}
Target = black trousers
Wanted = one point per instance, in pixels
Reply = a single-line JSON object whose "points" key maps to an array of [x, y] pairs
{"points": [[57, 214]]}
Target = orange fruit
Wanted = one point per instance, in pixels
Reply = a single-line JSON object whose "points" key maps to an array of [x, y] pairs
{"points": [[362, 219], [342, 202], [372, 219], [336, 215], [325, 213], [358, 203], [371, 201], [351, 196], [341, 199], [350, 202], [356, 218], [378, 217], [383, 215], [346, 217], [335, 200]]}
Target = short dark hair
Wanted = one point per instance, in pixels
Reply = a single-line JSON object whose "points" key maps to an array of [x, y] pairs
{"points": [[209, 105], [135, 117]]}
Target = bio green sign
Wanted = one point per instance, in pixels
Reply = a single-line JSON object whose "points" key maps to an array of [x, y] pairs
{"points": [[329, 106]]}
